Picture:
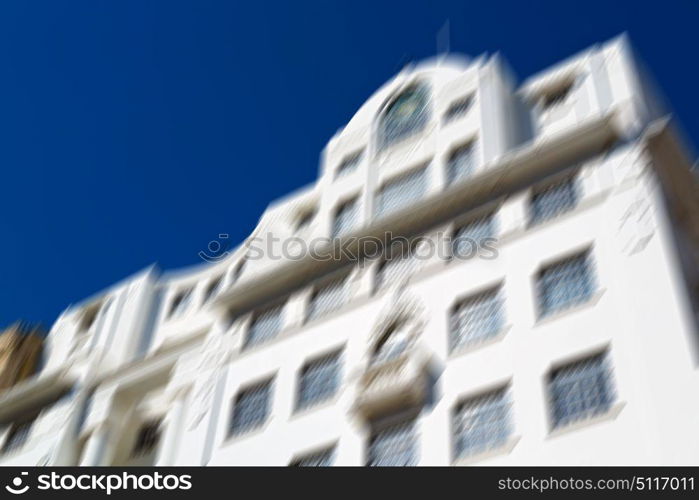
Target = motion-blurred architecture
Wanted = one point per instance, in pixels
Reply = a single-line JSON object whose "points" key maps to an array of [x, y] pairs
{"points": [[542, 307]]}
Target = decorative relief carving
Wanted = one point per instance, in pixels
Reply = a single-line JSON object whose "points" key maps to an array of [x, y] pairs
{"points": [[636, 227], [214, 355], [403, 307]]}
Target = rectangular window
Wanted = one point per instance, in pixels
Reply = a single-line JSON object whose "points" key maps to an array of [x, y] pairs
{"points": [[461, 163], [319, 381], [349, 164], [394, 446], [482, 423], [580, 390], [251, 408], [565, 284], [265, 325], [472, 236], [213, 289], [323, 458], [401, 192], [327, 297], [346, 217], [553, 200], [557, 96], [18, 435], [147, 438], [458, 108], [89, 316], [398, 266], [304, 218], [477, 318], [180, 302]]}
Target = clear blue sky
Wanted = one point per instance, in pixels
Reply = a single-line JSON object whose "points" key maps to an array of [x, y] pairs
{"points": [[134, 132]]}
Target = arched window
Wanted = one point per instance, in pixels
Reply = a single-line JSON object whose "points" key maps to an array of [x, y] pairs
{"points": [[406, 115]]}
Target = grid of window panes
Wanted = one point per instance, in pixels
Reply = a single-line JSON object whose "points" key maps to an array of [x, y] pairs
{"points": [[349, 164], [345, 218], [482, 423], [398, 266], [471, 237], [401, 192], [394, 446], [147, 438], [18, 435], [305, 219], [580, 390], [251, 408], [405, 116], [458, 108], [324, 458], [477, 318], [556, 97], [265, 325], [553, 200], [461, 163], [213, 289], [180, 303], [319, 381], [327, 298], [238, 270], [565, 284]]}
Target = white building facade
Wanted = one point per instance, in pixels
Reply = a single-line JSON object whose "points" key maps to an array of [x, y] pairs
{"points": [[544, 310]]}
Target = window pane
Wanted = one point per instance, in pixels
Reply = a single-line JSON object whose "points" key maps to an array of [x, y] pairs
{"points": [[394, 446], [557, 97], [482, 423], [349, 164], [147, 438], [319, 380], [469, 238], [305, 219], [18, 435], [265, 326], [346, 218], [213, 289], [328, 298], [461, 163], [181, 302], [401, 192], [478, 318], [458, 108], [251, 408], [553, 201], [565, 284], [581, 390], [323, 458], [396, 268]]}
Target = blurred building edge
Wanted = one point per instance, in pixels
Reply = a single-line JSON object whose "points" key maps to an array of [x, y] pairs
{"points": [[20, 353], [557, 326]]}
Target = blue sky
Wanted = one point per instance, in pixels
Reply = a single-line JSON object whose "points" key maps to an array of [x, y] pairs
{"points": [[135, 132]]}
